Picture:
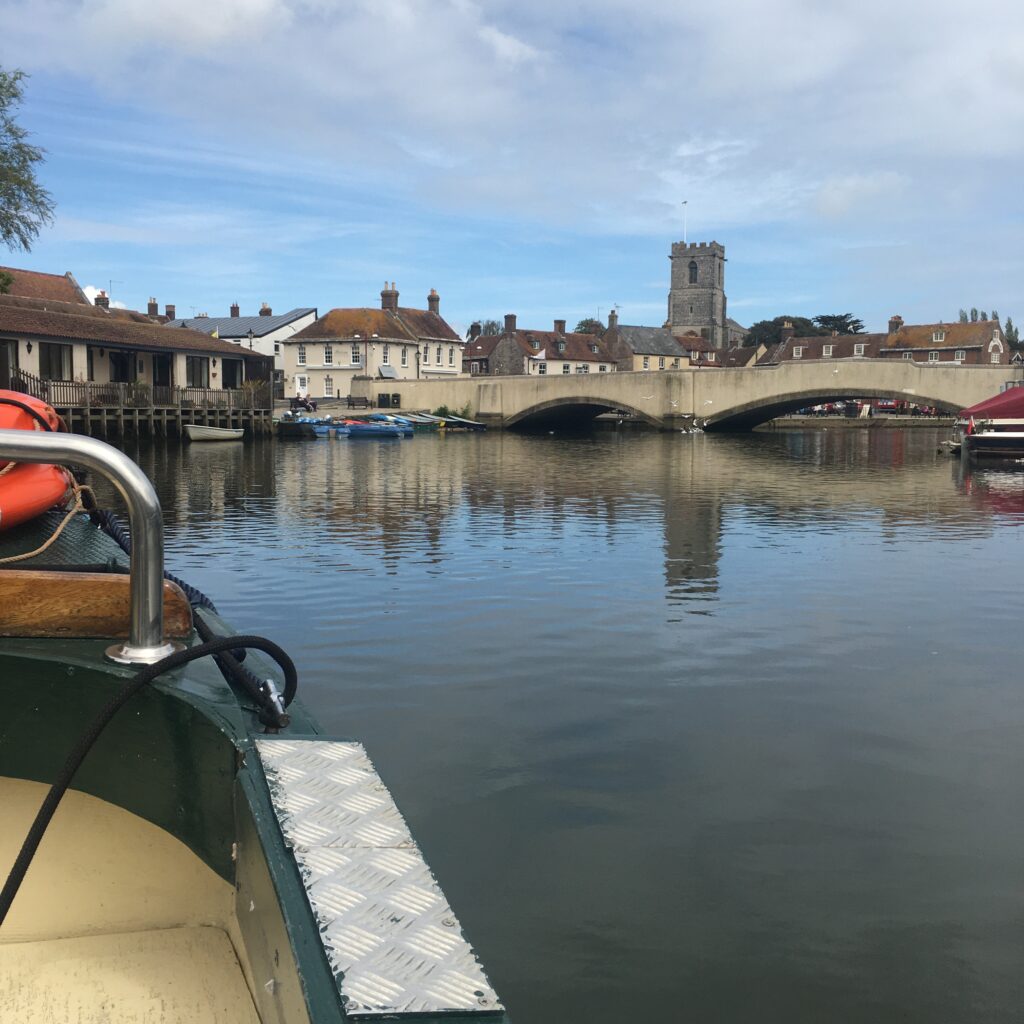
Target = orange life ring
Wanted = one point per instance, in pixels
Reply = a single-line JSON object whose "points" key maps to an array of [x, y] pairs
{"points": [[28, 489]]}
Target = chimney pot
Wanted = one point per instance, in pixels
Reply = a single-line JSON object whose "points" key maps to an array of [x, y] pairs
{"points": [[102, 300], [234, 309], [169, 312], [613, 319], [474, 329], [788, 330], [510, 322], [389, 296], [434, 301], [265, 310], [895, 323], [152, 309]]}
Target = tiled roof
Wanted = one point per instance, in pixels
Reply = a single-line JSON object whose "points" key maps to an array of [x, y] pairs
{"points": [[75, 309], [402, 324], [31, 284], [577, 346], [40, 319], [239, 326], [481, 347], [843, 346], [649, 341], [969, 335], [694, 343], [739, 355]]}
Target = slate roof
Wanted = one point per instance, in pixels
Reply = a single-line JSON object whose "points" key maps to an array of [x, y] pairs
{"points": [[31, 284], [88, 323], [649, 341], [402, 324], [239, 326]]}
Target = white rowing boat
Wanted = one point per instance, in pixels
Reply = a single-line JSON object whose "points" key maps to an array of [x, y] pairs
{"points": [[198, 432]]}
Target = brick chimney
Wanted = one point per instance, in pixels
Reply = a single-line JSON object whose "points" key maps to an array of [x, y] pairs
{"points": [[169, 312], [265, 310], [389, 296], [510, 322], [895, 323], [433, 301], [474, 329], [835, 333], [102, 300], [559, 327], [234, 309], [613, 319], [787, 332], [152, 309]]}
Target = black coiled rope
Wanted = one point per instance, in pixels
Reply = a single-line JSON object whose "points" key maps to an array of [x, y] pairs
{"points": [[215, 647]]}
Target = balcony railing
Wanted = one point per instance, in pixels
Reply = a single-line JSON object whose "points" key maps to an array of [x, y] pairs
{"points": [[79, 394]]}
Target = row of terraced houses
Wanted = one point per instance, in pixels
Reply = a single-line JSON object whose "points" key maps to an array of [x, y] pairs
{"points": [[50, 332]]}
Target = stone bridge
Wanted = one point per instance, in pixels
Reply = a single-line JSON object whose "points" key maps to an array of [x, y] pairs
{"points": [[733, 399]]}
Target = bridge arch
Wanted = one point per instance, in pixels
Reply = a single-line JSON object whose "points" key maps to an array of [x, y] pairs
{"points": [[575, 409], [750, 414]]}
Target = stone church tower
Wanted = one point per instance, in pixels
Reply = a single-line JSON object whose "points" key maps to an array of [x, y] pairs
{"points": [[696, 301]]}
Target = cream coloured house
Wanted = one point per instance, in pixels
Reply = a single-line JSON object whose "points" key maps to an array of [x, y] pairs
{"points": [[390, 343]]}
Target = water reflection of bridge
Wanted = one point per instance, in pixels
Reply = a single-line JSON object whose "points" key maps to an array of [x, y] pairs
{"points": [[422, 499]]}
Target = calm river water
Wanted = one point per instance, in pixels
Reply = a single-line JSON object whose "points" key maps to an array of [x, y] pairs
{"points": [[689, 728]]}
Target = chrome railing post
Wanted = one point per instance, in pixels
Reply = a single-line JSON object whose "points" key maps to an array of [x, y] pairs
{"points": [[146, 642]]}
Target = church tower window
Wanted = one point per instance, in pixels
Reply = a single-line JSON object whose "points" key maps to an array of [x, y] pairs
{"points": [[693, 271]]}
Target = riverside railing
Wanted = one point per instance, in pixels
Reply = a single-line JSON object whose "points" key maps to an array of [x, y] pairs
{"points": [[79, 394]]}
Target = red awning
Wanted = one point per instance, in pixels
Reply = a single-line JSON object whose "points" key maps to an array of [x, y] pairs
{"points": [[1008, 405]]}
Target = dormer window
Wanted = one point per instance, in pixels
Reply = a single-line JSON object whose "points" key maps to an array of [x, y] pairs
{"points": [[826, 351], [593, 348], [534, 343], [938, 336], [858, 350], [798, 351], [711, 357], [561, 346]]}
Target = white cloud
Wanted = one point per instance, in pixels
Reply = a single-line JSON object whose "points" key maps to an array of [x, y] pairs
{"points": [[91, 291]]}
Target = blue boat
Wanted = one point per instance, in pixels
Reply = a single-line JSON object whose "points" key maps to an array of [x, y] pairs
{"points": [[366, 429]]}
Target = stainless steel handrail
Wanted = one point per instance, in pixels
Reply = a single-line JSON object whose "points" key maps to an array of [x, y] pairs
{"points": [[146, 642]]}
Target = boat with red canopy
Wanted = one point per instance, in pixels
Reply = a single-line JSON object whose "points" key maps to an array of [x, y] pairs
{"points": [[994, 428]]}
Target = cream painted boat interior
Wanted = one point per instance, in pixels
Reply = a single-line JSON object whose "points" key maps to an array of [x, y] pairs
{"points": [[117, 921]]}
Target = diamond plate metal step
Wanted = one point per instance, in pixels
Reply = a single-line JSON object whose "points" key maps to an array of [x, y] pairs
{"points": [[390, 936]]}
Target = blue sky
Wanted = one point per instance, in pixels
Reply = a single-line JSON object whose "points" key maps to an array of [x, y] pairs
{"points": [[528, 157]]}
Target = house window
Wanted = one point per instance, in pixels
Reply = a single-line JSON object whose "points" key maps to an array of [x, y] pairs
{"points": [[354, 355], [54, 361], [534, 343], [908, 355], [693, 271], [582, 368], [561, 346], [426, 355], [438, 355], [542, 369], [994, 357], [451, 355], [938, 336], [328, 386], [385, 357], [300, 357], [328, 355], [405, 356], [826, 351], [122, 367], [711, 357], [277, 348], [798, 352], [858, 350], [961, 355], [197, 371], [602, 368], [566, 368], [933, 357], [675, 363], [661, 362], [647, 362], [593, 348], [474, 367]]}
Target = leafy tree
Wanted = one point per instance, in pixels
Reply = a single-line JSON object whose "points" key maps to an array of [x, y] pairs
{"points": [[963, 316], [25, 206], [841, 323], [487, 327], [6, 280], [974, 314], [995, 315], [1011, 332], [769, 332], [590, 326], [983, 315]]}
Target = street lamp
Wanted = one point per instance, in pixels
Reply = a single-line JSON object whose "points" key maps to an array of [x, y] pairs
{"points": [[250, 339]]}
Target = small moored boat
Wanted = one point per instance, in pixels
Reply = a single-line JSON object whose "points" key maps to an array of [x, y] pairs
{"points": [[201, 432], [994, 428]]}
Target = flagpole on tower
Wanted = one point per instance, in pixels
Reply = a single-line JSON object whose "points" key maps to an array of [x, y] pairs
{"points": [[685, 201]]}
